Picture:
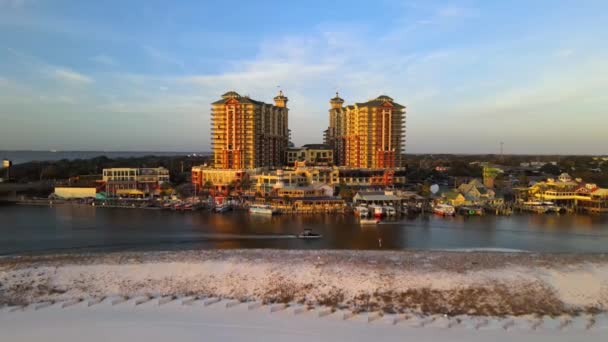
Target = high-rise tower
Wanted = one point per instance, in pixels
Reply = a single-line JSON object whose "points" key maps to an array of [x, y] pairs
{"points": [[367, 135], [248, 134]]}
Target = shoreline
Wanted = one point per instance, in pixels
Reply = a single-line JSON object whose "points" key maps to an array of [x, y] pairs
{"points": [[425, 282]]}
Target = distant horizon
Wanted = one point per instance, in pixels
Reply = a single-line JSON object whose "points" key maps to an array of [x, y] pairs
{"points": [[406, 153]]}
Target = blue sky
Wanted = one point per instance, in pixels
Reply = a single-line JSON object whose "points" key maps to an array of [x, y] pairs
{"points": [[140, 75]]}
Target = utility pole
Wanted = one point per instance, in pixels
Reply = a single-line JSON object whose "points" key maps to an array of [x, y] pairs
{"points": [[501, 151]]}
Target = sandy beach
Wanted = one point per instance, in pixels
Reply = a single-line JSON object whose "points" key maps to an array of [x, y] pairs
{"points": [[424, 282]]}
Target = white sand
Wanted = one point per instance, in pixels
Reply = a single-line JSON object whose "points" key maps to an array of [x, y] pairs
{"points": [[287, 275]]}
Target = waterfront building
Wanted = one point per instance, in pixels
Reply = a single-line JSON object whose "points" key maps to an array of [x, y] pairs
{"points": [[310, 155], [568, 192], [266, 182], [375, 178], [368, 134], [249, 134], [218, 180], [378, 198], [134, 181]]}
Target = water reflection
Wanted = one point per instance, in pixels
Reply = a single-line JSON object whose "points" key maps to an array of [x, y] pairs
{"points": [[63, 227]]}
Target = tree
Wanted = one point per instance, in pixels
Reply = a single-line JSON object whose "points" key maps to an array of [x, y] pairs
{"points": [[347, 194], [550, 169], [207, 186], [185, 190]]}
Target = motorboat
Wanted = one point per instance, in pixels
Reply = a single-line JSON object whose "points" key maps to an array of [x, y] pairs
{"points": [[390, 211], [377, 211], [363, 212], [222, 208], [309, 234], [372, 221], [262, 209], [444, 210]]}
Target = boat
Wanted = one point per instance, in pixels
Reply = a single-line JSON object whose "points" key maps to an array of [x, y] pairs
{"points": [[369, 221], [362, 211], [308, 234], [222, 208], [470, 211], [444, 210], [534, 206], [390, 211], [377, 211], [262, 209]]}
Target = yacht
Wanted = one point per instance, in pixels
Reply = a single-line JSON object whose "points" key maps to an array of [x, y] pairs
{"points": [[262, 209], [444, 210]]}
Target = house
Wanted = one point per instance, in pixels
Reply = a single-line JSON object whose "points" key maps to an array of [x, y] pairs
{"points": [[475, 192]]}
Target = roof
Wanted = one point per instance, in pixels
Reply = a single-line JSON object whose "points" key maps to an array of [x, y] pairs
{"points": [[600, 192], [337, 98], [230, 94], [379, 101], [240, 99], [376, 196], [317, 146]]}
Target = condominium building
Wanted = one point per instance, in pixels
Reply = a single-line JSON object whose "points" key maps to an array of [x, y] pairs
{"points": [[366, 135], [248, 134], [134, 181]]}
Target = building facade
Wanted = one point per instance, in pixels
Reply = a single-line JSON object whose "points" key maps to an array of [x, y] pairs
{"points": [[367, 135], [134, 181], [249, 134], [310, 155], [205, 178]]}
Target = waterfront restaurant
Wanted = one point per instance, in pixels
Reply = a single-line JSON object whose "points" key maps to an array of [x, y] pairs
{"points": [[378, 198]]}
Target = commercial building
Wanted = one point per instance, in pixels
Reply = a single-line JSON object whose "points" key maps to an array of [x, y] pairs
{"points": [[249, 134], [310, 155], [568, 192], [368, 134], [206, 178], [134, 181]]}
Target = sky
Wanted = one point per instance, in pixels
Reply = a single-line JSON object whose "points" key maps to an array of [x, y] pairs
{"points": [[140, 75]]}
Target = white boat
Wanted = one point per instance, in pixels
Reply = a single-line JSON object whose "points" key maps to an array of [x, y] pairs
{"points": [[262, 209], [390, 211], [363, 212], [369, 221], [444, 210], [222, 208], [377, 211]]}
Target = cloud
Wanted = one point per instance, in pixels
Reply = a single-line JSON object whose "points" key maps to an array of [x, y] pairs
{"points": [[70, 76], [104, 60]]}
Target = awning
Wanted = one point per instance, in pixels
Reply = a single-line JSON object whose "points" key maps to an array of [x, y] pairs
{"points": [[131, 192]]}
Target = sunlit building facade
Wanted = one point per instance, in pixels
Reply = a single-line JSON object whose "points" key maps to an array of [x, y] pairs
{"points": [[367, 135], [249, 134]]}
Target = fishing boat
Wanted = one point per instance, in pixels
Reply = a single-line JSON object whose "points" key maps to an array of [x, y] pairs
{"points": [[262, 209], [309, 234], [444, 210]]}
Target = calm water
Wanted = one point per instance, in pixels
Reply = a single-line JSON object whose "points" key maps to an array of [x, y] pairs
{"points": [[67, 228], [19, 157]]}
